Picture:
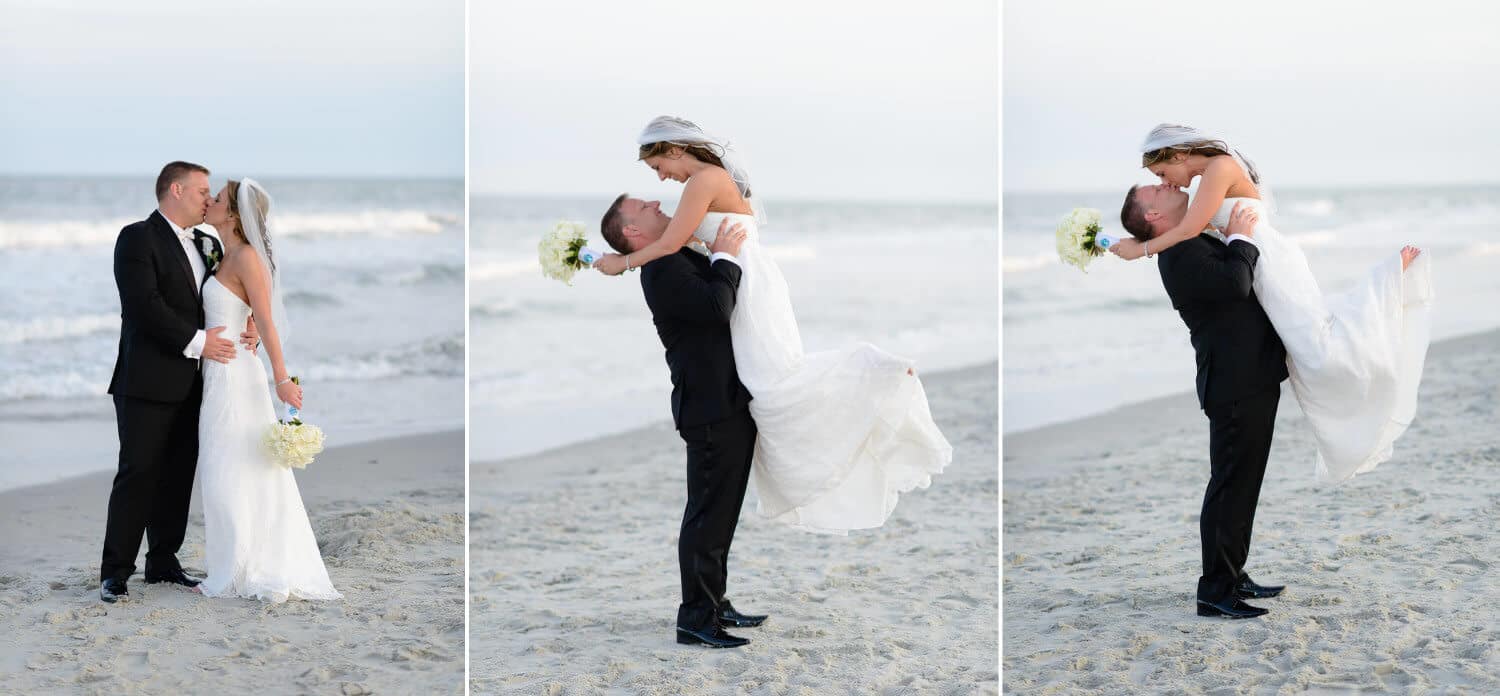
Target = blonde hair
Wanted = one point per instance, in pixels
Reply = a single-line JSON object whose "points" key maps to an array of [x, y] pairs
{"points": [[1207, 148], [701, 153], [262, 205]]}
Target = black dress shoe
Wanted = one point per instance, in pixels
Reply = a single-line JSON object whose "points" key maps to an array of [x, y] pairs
{"points": [[713, 638], [730, 617], [176, 577], [1247, 589], [113, 590], [1230, 609]]}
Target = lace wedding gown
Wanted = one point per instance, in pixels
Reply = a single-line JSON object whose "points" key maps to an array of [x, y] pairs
{"points": [[841, 433], [258, 541], [1355, 357]]}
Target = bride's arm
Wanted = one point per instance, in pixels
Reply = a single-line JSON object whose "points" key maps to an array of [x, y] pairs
{"points": [[697, 194], [257, 282], [1221, 173]]}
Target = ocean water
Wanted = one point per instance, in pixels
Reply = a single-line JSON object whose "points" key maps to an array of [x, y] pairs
{"points": [[375, 286], [552, 364], [1079, 344]]}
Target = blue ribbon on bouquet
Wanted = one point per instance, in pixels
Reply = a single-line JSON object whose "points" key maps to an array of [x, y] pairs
{"points": [[1105, 240], [292, 413]]}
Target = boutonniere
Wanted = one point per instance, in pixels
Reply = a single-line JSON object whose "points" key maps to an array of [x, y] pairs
{"points": [[210, 253]]}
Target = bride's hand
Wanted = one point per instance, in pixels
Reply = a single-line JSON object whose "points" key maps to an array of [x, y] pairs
{"points": [[610, 264], [251, 337], [1128, 249], [290, 393]]}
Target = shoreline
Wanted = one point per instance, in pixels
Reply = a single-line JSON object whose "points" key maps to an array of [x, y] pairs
{"points": [[1036, 441], [71, 438], [10, 497], [664, 423]]}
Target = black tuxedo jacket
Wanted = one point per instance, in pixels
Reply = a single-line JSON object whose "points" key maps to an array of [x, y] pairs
{"points": [[691, 300], [1239, 353], [160, 310]]}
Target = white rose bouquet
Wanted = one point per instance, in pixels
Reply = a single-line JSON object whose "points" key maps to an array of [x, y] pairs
{"points": [[563, 251], [1080, 238], [292, 443]]}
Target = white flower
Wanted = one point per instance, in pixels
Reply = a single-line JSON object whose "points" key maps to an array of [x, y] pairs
{"points": [[558, 251], [1075, 237], [293, 446]]}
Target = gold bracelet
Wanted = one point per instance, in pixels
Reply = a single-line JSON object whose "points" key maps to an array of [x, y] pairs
{"points": [[627, 262]]}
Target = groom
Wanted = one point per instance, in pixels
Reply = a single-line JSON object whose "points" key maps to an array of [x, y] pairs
{"points": [[691, 298], [1241, 364], [160, 265]]}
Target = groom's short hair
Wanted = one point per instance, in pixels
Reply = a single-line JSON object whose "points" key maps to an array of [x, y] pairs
{"points": [[1133, 217], [173, 173], [612, 227]]}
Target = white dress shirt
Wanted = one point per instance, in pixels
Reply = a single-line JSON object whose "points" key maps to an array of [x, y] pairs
{"points": [[698, 246], [1242, 238], [194, 347]]}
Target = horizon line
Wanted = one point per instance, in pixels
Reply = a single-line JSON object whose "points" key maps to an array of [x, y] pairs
{"points": [[898, 198], [133, 175], [1346, 186]]}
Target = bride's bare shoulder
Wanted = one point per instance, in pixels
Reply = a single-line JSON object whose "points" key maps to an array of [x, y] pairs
{"points": [[1223, 165], [1240, 185], [242, 264], [724, 193], [714, 177]]}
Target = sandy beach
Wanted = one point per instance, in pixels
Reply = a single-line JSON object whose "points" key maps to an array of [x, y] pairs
{"points": [[388, 516], [574, 583], [1390, 583]]}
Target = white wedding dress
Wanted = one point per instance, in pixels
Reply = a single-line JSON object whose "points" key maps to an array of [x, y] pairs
{"points": [[1356, 356], [841, 433], [258, 541]]}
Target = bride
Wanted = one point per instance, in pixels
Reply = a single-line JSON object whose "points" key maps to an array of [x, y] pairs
{"points": [[841, 433], [1355, 357], [258, 542]]}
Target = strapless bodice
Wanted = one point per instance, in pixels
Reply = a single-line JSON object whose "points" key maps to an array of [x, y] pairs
{"points": [[1221, 217], [223, 308], [709, 228]]}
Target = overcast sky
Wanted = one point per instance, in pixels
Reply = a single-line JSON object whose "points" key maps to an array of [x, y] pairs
{"points": [[1333, 93], [269, 88], [856, 100]]}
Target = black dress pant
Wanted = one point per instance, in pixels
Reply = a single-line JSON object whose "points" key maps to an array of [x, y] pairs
{"points": [[1239, 444], [154, 483], [718, 470]]}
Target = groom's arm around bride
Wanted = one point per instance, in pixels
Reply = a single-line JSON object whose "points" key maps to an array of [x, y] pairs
{"points": [[149, 317]]}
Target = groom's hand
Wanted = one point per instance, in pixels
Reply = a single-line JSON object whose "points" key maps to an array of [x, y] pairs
{"points": [[251, 337], [1242, 221], [216, 347], [728, 241]]}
